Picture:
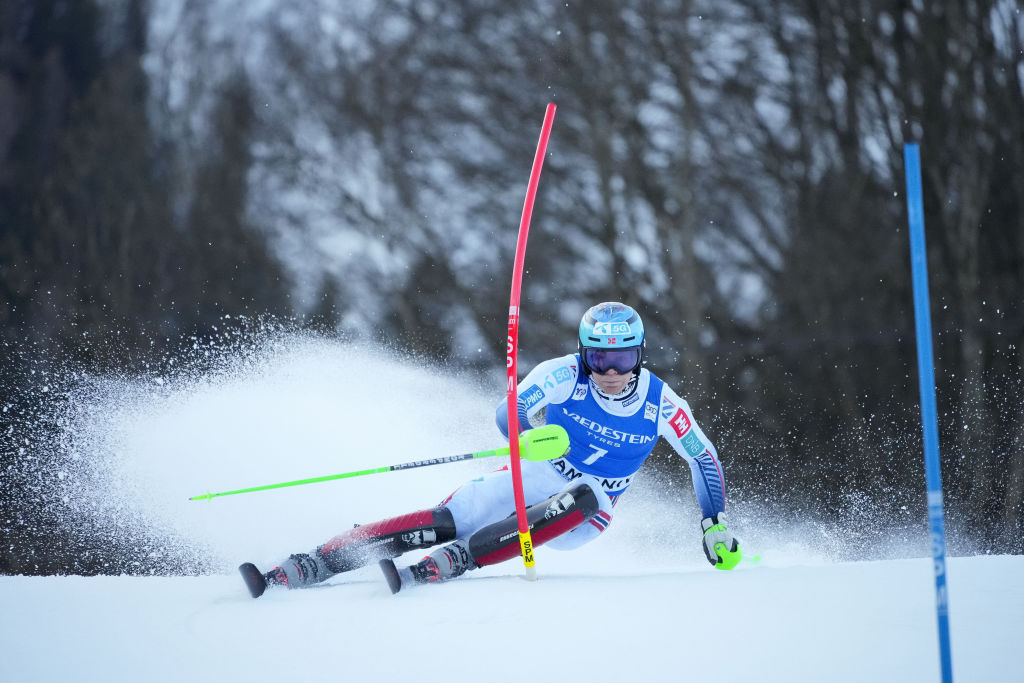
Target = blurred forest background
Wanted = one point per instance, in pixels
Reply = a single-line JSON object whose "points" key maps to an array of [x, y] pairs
{"points": [[731, 168]]}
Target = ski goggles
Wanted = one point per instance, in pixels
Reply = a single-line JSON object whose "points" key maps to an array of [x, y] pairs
{"points": [[621, 360]]}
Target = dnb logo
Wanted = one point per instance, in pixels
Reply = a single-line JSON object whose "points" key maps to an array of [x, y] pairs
{"points": [[680, 423]]}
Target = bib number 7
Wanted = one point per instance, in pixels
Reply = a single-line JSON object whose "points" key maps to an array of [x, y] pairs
{"points": [[593, 457]]}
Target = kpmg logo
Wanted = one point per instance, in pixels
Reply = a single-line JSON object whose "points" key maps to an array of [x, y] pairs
{"points": [[605, 329], [532, 396]]}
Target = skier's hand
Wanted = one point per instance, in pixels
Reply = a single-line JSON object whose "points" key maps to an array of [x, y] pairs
{"points": [[721, 547]]}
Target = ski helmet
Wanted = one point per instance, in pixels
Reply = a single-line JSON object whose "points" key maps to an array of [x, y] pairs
{"points": [[611, 337]]}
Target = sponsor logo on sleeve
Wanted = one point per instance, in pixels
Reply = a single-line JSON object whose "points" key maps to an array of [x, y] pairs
{"points": [[559, 376], [532, 396], [693, 445], [667, 408], [680, 423]]}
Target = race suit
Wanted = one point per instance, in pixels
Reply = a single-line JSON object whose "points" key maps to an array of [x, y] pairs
{"points": [[610, 437]]}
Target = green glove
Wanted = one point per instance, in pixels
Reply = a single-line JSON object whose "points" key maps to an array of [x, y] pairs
{"points": [[720, 546]]}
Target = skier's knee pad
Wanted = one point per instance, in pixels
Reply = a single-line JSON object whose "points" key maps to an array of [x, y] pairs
{"points": [[559, 514], [388, 538]]}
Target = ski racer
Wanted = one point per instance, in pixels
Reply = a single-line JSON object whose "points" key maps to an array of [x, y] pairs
{"points": [[613, 410]]}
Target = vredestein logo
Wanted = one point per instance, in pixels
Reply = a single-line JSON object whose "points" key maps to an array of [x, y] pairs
{"points": [[608, 432]]}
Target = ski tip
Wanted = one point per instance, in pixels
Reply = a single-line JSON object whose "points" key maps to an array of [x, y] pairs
{"points": [[391, 575], [253, 578]]}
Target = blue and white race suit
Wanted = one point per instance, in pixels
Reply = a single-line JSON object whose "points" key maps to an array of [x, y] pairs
{"points": [[610, 437]]}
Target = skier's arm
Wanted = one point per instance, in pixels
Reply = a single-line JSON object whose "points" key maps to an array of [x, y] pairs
{"points": [[677, 426], [550, 382]]}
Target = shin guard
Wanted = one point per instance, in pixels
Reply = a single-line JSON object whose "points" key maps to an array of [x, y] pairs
{"points": [[559, 514]]}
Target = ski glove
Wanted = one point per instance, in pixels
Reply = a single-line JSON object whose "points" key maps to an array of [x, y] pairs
{"points": [[721, 547]]}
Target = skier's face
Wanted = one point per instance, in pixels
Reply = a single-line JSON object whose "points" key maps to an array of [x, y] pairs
{"points": [[611, 382]]}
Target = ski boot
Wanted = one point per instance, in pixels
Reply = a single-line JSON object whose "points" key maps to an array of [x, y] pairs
{"points": [[298, 571], [441, 565]]}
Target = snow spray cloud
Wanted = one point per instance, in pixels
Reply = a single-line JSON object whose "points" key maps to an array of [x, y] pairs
{"points": [[101, 467], [67, 508]]}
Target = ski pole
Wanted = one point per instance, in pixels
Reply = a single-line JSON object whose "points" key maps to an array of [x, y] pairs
{"points": [[543, 443]]}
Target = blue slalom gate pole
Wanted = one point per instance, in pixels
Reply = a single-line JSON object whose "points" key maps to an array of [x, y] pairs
{"points": [[926, 381]]}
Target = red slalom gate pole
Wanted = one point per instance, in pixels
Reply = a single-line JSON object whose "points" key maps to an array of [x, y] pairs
{"points": [[525, 540]]}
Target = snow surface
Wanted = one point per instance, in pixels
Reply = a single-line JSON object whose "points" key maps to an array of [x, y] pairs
{"points": [[640, 603]]}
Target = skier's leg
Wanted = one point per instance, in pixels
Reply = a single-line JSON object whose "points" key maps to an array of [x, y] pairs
{"points": [[368, 543], [356, 547], [559, 514]]}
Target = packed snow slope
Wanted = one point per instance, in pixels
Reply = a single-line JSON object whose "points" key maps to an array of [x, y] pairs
{"points": [[640, 603], [595, 617]]}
